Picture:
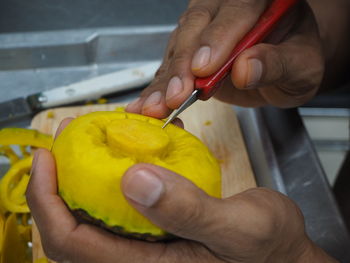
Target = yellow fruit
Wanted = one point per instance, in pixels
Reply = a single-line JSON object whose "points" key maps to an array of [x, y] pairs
{"points": [[94, 151]]}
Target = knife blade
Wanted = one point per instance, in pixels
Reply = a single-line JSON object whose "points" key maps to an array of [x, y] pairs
{"points": [[91, 89]]}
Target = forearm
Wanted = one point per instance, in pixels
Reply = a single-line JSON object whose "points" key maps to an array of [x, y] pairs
{"points": [[333, 19]]}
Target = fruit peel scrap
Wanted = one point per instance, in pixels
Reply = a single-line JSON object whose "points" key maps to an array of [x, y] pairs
{"points": [[25, 137]]}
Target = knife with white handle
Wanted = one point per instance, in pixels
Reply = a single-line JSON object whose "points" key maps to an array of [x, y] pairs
{"points": [[90, 89], [97, 87]]}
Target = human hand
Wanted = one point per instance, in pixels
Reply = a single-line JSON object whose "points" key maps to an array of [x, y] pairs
{"points": [[258, 225], [285, 73]]}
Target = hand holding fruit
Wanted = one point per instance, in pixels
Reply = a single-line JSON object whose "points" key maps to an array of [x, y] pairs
{"points": [[258, 225]]}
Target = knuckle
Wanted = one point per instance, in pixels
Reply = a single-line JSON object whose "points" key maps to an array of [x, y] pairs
{"points": [[161, 71], [157, 84], [304, 78], [241, 4], [217, 32], [259, 202], [53, 250], [182, 20], [180, 59], [56, 245], [195, 14], [189, 219], [170, 53], [171, 46]]}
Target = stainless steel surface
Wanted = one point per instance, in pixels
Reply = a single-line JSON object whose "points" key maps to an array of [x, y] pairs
{"points": [[80, 92], [48, 15], [280, 150], [34, 62], [325, 112], [288, 163], [14, 110], [260, 147], [190, 100], [332, 145]]}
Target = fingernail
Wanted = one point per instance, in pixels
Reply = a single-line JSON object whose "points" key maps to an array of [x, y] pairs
{"points": [[35, 161], [201, 58], [255, 72], [153, 99], [175, 87], [144, 187], [133, 103]]}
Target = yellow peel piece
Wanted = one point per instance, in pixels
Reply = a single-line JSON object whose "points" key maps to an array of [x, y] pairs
{"points": [[26, 137], [50, 114], [102, 101], [24, 150], [41, 260], [14, 248], [17, 194], [10, 182], [2, 226], [9, 153]]}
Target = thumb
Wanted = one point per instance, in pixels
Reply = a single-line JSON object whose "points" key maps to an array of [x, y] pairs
{"points": [[170, 201], [286, 75]]}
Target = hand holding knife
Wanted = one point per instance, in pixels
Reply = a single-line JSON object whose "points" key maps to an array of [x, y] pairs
{"points": [[204, 88]]}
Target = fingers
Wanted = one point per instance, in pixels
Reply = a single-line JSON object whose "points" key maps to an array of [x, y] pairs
{"points": [[283, 75], [207, 33], [53, 219], [174, 81], [137, 105], [191, 25], [233, 20], [62, 237], [171, 201], [178, 122], [63, 125], [179, 207], [240, 97]]}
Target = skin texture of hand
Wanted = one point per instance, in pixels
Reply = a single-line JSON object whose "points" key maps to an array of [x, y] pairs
{"points": [[333, 19], [258, 225], [285, 72]]}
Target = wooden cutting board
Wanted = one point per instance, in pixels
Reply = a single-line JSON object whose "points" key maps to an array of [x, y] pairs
{"points": [[214, 122]]}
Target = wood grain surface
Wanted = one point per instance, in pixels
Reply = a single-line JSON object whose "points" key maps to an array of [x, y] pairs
{"points": [[214, 122]]}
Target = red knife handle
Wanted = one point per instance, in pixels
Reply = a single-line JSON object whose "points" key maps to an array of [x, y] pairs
{"points": [[263, 27]]}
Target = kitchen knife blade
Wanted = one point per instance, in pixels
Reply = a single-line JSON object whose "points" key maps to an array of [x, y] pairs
{"points": [[127, 79]]}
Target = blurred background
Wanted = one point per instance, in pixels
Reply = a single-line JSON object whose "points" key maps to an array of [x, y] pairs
{"points": [[44, 15]]}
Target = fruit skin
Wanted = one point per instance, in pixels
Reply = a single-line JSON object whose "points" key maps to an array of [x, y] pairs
{"points": [[13, 186], [95, 150], [20, 136]]}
